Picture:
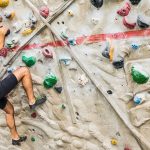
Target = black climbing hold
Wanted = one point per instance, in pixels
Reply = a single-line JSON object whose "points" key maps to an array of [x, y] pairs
{"points": [[135, 2], [118, 63], [106, 51], [77, 113], [8, 32], [109, 92], [97, 3], [58, 89], [77, 118], [141, 23]]}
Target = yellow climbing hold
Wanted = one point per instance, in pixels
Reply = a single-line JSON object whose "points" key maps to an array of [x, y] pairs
{"points": [[114, 142], [4, 3], [12, 15], [27, 32], [111, 53]]}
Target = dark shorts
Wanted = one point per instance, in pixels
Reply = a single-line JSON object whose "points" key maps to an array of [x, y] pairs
{"points": [[6, 85]]}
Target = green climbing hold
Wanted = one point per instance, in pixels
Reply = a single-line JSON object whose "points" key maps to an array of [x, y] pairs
{"points": [[29, 61], [50, 81], [33, 139], [139, 75], [63, 106]]}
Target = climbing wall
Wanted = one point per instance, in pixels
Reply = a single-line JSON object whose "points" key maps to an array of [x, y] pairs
{"points": [[100, 106]]}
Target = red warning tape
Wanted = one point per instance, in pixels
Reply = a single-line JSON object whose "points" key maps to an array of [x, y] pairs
{"points": [[95, 38]]}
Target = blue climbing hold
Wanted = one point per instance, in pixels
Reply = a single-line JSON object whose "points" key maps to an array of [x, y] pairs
{"points": [[135, 46], [72, 42], [137, 100]]}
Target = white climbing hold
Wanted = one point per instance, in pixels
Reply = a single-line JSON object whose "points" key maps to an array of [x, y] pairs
{"points": [[17, 26], [83, 80]]}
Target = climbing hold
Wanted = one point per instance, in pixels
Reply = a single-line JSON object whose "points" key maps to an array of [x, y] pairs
{"points": [[109, 92], [77, 114], [4, 3], [114, 142], [17, 26], [1, 18], [27, 31], [135, 2], [72, 42], [12, 43], [127, 24], [34, 115], [49, 81], [125, 10], [139, 75], [63, 106], [70, 13], [63, 36], [135, 46], [95, 21], [97, 3], [11, 69], [44, 11], [32, 138], [33, 19], [111, 53], [3, 52], [29, 61], [83, 80], [127, 148], [47, 53], [106, 50], [137, 100], [9, 15], [142, 23], [58, 89], [118, 63], [65, 60]]}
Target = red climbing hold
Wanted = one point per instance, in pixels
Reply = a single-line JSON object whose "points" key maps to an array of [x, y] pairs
{"points": [[44, 11], [47, 53], [128, 25], [3, 52], [33, 115], [125, 10]]}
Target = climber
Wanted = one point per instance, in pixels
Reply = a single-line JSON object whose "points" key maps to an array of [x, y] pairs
{"points": [[23, 75]]}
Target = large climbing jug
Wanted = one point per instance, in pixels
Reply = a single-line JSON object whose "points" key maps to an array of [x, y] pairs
{"points": [[97, 3], [29, 61], [139, 75], [49, 81]]}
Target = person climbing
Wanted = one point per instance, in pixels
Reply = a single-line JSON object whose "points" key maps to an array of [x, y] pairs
{"points": [[23, 75]]}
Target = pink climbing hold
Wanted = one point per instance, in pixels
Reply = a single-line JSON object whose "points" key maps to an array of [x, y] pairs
{"points": [[125, 10], [44, 11], [127, 148], [3, 52], [47, 53], [127, 24]]}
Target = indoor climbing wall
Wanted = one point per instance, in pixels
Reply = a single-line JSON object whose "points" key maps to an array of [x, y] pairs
{"points": [[98, 91]]}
